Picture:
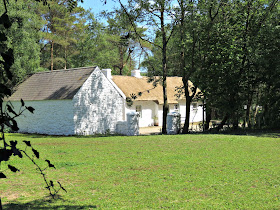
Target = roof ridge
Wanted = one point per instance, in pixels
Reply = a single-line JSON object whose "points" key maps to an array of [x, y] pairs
{"points": [[60, 70]]}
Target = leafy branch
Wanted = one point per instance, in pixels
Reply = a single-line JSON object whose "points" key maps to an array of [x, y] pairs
{"points": [[8, 114]]}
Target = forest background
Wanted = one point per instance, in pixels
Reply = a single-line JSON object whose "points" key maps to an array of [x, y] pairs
{"points": [[229, 49]]}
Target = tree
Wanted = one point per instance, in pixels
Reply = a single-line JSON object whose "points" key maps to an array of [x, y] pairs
{"points": [[64, 23], [154, 14], [23, 38], [230, 73], [185, 49]]}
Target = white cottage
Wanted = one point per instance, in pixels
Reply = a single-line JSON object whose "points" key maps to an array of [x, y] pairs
{"points": [[88, 101]]}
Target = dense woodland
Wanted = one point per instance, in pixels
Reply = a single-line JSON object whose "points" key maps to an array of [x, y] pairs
{"points": [[228, 48]]}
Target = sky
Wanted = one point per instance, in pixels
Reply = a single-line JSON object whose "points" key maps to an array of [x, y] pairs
{"points": [[98, 6]]}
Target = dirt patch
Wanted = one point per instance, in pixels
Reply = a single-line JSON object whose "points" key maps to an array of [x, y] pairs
{"points": [[10, 196], [153, 130]]}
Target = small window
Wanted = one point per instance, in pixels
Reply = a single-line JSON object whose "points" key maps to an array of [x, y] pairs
{"points": [[139, 110]]}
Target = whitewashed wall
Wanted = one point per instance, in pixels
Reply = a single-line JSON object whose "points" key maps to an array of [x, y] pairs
{"points": [[130, 127], [148, 112], [97, 106], [150, 108], [196, 114], [52, 117]]}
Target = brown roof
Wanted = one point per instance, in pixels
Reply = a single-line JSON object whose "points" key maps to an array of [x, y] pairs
{"points": [[132, 85], [58, 84]]}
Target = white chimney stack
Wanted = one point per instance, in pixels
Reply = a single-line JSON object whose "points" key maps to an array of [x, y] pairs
{"points": [[136, 73], [107, 73]]}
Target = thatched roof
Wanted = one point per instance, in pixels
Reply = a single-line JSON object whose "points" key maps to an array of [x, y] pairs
{"points": [[55, 85], [132, 85]]}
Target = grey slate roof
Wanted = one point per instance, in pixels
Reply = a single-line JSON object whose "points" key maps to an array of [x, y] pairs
{"points": [[55, 85]]}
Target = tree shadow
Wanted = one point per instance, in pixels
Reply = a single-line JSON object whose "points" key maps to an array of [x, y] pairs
{"points": [[271, 133], [44, 203]]}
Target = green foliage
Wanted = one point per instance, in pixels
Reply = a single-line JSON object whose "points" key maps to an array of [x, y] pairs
{"points": [[61, 33], [230, 50], [23, 38], [94, 46]]}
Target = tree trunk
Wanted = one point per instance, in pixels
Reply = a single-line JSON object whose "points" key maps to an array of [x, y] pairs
{"points": [[235, 121], [183, 68], [121, 60], [52, 43], [164, 73], [221, 125], [0, 204], [208, 118], [187, 119], [65, 57]]}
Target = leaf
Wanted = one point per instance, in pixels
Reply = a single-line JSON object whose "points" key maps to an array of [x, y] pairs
{"points": [[2, 175], [14, 149], [49, 163], [14, 125], [133, 96], [10, 109], [129, 101], [9, 61], [22, 102], [27, 143], [30, 109], [8, 72], [4, 89], [5, 154], [3, 37], [12, 168], [36, 153], [13, 143], [61, 186], [17, 152], [4, 19]]}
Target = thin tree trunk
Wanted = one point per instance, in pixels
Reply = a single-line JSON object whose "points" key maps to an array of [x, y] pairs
{"points": [[65, 57], [187, 118], [183, 68], [221, 125], [208, 118], [52, 43], [164, 74], [121, 60], [248, 117], [235, 121]]}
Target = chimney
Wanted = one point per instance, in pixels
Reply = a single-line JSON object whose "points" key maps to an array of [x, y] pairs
{"points": [[136, 73], [107, 73]]}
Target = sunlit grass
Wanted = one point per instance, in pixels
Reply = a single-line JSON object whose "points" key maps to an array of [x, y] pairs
{"points": [[150, 172]]}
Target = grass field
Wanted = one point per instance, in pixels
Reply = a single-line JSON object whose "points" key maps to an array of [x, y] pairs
{"points": [[150, 172]]}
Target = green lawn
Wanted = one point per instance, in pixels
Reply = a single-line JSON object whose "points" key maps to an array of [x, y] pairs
{"points": [[150, 172]]}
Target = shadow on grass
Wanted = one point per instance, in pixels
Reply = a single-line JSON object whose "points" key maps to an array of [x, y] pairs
{"points": [[32, 135], [45, 203], [247, 132]]}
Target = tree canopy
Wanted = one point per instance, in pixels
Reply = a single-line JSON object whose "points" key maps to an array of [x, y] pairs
{"points": [[229, 49]]}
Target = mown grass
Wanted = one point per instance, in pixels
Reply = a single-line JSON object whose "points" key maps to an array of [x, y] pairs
{"points": [[150, 172]]}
